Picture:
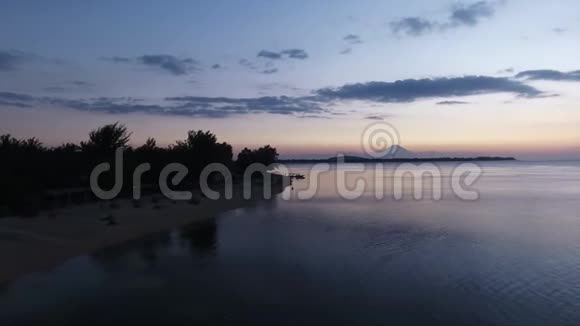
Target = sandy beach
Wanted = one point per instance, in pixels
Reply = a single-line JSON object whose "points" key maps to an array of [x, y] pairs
{"points": [[39, 243]]}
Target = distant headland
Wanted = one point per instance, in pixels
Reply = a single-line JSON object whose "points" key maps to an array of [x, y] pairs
{"points": [[358, 159]]}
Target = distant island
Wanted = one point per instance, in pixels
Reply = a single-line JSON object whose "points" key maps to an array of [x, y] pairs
{"points": [[358, 159]]}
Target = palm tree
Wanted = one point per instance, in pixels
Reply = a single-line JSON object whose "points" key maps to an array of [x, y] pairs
{"points": [[107, 139], [149, 146]]}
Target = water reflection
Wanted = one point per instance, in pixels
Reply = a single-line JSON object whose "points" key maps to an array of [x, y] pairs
{"points": [[201, 237], [510, 258]]}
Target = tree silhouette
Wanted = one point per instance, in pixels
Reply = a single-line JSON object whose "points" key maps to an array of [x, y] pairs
{"points": [[264, 155], [149, 146], [29, 170], [67, 148], [201, 148], [107, 139], [11, 144]]}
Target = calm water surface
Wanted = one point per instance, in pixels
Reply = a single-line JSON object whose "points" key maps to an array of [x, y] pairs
{"points": [[510, 258]]}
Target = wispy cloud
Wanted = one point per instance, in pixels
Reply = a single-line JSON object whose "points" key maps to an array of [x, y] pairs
{"points": [[11, 60], [269, 55], [547, 74], [165, 62], [73, 85], [559, 30], [288, 53], [452, 103], [192, 106], [472, 14], [295, 54], [16, 100], [460, 15], [248, 64], [374, 117], [270, 71], [413, 26], [509, 70], [352, 39]]}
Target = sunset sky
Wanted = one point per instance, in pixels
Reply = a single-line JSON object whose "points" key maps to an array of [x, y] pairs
{"points": [[487, 77]]}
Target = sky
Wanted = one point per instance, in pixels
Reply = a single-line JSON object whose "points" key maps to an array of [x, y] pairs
{"points": [[308, 77]]}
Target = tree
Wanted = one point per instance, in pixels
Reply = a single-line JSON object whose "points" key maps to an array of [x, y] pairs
{"points": [[149, 146], [202, 148], [14, 145], [9, 143], [264, 155], [67, 148], [107, 139]]}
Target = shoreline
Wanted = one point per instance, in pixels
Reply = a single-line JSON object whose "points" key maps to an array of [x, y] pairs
{"points": [[38, 244]]}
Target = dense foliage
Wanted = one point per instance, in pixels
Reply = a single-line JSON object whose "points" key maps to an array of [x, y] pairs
{"points": [[28, 168]]}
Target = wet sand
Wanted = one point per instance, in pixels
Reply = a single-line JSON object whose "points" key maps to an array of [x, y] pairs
{"points": [[39, 243]]}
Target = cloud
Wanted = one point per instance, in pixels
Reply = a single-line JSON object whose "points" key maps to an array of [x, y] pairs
{"points": [[295, 54], [269, 54], [55, 89], [11, 60], [168, 63], [80, 83], [224, 106], [248, 64], [559, 30], [216, 66], [471, 15], [15, 104], [409, 90], [15, 97], [119, 59], [452, 103], [346, 51], [374, 117], [460, 15], [72, 85], [192, 106], [509, 70], [413, 26], [262, 68], [546, 74], [269, 71], [317, 103], [352, 39], [289, 53], [15, 100]]}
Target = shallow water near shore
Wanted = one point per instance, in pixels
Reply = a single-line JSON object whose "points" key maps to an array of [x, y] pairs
{"points": [[510, 257]]}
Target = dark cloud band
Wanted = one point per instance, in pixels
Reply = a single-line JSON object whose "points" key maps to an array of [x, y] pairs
{"points": [[407, 90]]}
